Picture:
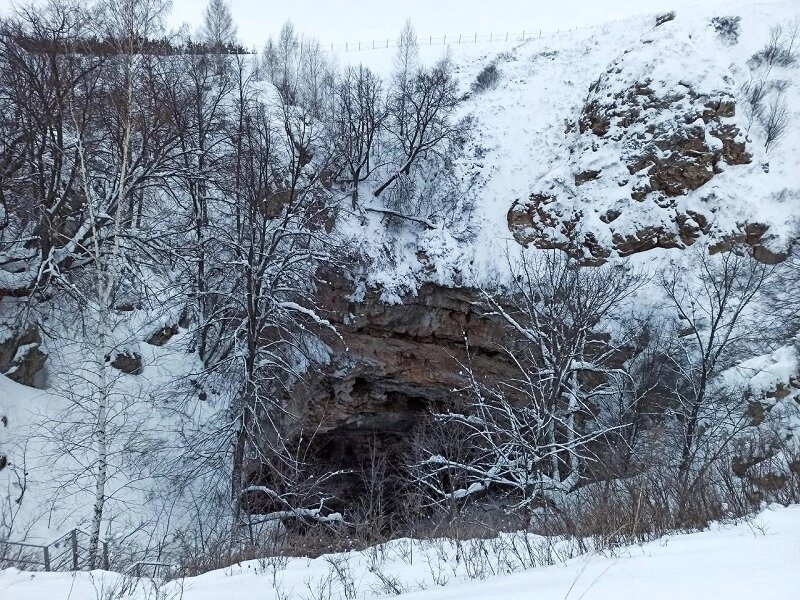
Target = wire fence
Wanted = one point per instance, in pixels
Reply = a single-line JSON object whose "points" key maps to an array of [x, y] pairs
{"points": [[445, 40]]}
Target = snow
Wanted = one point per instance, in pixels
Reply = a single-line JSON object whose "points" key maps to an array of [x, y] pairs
{"points": [[519, 145], [764, 373], [757, 558], [48, 465]]}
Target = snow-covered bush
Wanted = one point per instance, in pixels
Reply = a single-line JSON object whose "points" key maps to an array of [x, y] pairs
{"points": [[728, 28], [487, 78], [665, 18]]}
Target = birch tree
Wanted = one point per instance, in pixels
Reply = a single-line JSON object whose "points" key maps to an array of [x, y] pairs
{"points": [[113, 163]]}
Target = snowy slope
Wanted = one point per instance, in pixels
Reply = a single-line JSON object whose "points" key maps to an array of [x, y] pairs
{"points": [[526, 141], [47, 488], [755, 559]]}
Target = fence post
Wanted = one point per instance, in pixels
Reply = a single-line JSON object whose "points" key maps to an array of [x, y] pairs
{"points": [[73, 535], [46, 558], [106, 564], [476, 38], [459, 39], [523, 36]]}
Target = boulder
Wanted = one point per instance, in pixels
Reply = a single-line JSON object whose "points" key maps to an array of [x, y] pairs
{"points": [[128, 362], [21, 356], [163, 335]]}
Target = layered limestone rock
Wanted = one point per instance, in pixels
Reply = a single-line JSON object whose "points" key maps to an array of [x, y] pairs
{"points": [[393, 364], [637, 160]]}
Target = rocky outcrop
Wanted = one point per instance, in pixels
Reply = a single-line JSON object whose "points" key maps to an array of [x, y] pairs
{"points": [[551, 228], [395, 360], [754, 235], [394, 364], [644, 142], [128, 362], [163, 335], [765, 452], [673, 142], [21, 356]]}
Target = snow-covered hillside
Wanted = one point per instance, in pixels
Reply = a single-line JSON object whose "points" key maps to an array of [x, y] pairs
{"points": [[757, 558], [634, 139], [532, 139]]}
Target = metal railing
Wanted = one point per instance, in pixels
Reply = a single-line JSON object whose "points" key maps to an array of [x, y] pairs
{"points": [[70, 552]]}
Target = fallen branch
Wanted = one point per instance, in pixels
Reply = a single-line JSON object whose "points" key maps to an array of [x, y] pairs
{"points": [[394, 213]]}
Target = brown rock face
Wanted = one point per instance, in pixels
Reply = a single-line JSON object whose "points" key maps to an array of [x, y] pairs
{"points": [[396, 364], [21, 358], [408, 354], [645, 239], [547, 227], [755, 236], [128, 362], [671, 139], [585, 176], [675, 153], [163, 335]]}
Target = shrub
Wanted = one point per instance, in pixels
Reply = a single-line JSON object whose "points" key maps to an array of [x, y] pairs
{"points": [[665, 18], [486, 79], [727, 28], [781, 49], [775, 121]]}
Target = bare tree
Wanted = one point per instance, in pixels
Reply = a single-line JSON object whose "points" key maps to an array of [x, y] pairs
{"points": [[47, 87], [406, 65], [113, 163], [196, 93], [420, 118], [781, 49], [358, 118], [279, 60], [775, 119], [270, 224], [529, 436], [715, 302]]}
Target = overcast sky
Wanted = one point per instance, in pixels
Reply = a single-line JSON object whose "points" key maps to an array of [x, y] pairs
{"points": [[339, 21]]}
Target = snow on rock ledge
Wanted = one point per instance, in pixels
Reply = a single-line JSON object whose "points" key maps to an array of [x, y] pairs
{"points": [[638, 160]]}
